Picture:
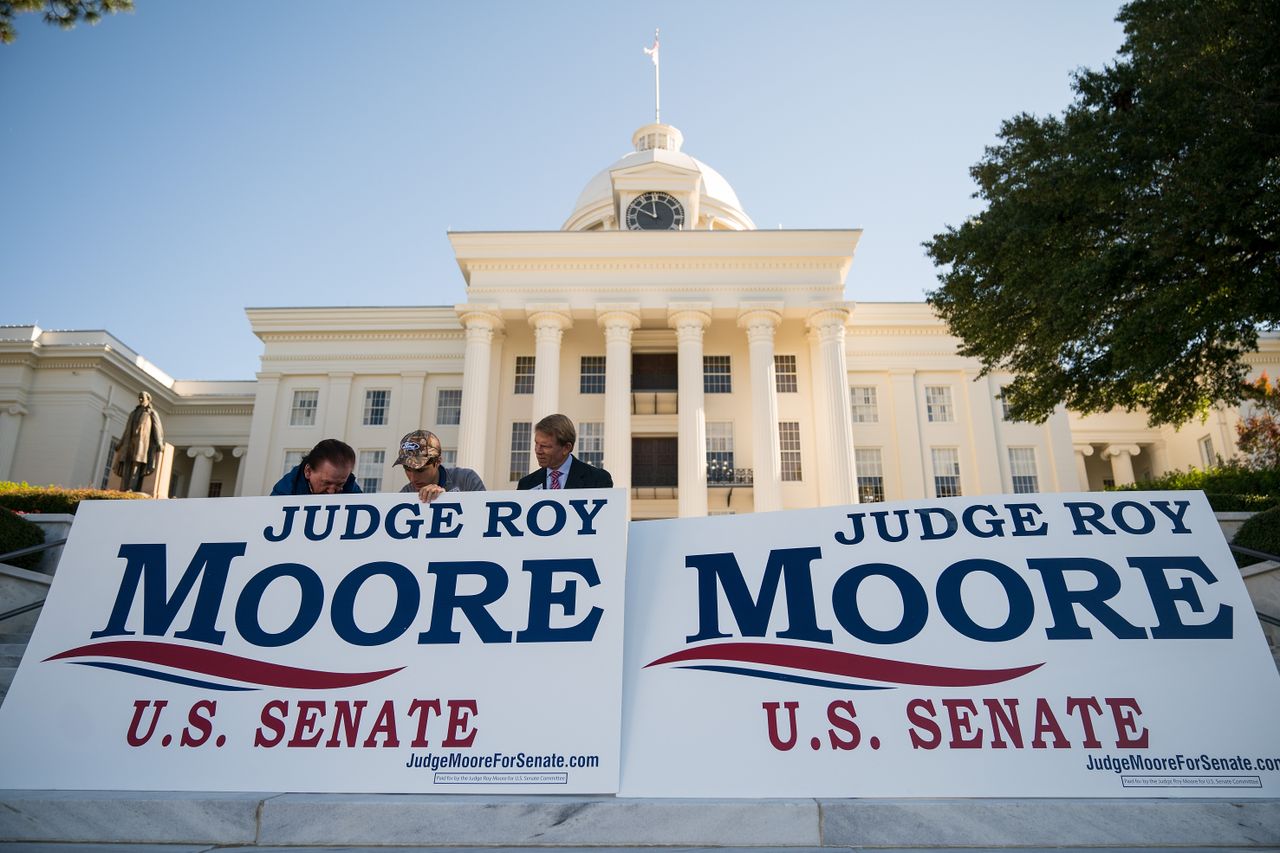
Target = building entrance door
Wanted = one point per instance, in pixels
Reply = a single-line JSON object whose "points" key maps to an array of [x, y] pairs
{"points": [[654, 463]]}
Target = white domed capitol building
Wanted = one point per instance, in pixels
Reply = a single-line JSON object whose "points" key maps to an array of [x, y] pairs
{"points": [[712, 368]]}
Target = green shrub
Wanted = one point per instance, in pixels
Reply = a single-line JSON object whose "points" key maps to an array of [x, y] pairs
{"points": [[1230, 478], [1261, 533], [16, 532], [1230, 487], [1241, 503], [22, 497]]}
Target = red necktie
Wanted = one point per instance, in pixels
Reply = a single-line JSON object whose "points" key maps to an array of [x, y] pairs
{"points": [[555, 478]]}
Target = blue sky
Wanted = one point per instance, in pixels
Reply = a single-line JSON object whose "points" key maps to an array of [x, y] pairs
{"points": [[168, 168]]}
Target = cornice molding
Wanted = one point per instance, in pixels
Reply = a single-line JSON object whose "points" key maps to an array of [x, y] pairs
{"points": [[198, 409], [897, 331], [346, 357], [642, 264], [408, 335]]}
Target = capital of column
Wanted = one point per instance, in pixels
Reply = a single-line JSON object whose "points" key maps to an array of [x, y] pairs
{"points": [[549, 317], [1083, 449], [15, 409], [828, 321], [239, 451], [1121, 450], [480, 321], [689, 319], [622, 315], [760, 320], [206, 452]]}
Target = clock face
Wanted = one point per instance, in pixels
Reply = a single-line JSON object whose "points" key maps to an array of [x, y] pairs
{"points": [[655, 211]]}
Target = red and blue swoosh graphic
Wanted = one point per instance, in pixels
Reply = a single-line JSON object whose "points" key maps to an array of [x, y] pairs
{"points": [[196, 667], [831, 668]]}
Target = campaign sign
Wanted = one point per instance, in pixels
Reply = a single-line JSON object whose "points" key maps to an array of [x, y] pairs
{"points": [[329, 643], [1081, 645]]}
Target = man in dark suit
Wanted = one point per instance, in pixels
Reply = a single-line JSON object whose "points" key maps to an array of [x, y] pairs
{"points": [[553, 439]]}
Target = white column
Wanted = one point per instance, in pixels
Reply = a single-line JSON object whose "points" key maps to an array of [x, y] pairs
{"points": [[618, 323], [257, 479], [549, 323], [10, 424], [690, 321], [766, 458], [1065, 474], [337, 406], [1082, 470], [239, 452], [201, 470], [1121, 456], [473, 425], [906, 429], [837, 478]]}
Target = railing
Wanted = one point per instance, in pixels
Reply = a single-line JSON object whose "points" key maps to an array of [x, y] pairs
{"points": [[654, 493], [22, 552], [1266, 618], [655, 402], [723, 477]]}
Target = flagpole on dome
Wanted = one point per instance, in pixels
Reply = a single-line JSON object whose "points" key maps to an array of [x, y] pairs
{"points": [[652, 53]]}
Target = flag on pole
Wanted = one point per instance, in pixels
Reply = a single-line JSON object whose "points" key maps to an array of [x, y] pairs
{"points": [[652, 52]]}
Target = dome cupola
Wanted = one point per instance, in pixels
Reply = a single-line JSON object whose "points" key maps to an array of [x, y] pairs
{"points": [[658, 187]]}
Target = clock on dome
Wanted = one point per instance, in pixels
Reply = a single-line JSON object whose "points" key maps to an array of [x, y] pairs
{"points": [[655, 211]]}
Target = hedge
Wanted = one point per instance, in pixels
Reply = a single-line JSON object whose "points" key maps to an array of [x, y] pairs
{"points": [[15, 533], [25, 498], [1229, 488], [1261, 533]]}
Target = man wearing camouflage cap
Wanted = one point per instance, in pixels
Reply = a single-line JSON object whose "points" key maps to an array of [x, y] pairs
{"points": [[420, 456]]}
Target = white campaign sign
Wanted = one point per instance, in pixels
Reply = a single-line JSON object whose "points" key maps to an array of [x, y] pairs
{"points": [[1089, 645], [328, 643]]}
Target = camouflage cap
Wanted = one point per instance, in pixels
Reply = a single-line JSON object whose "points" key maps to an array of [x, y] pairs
{"points": [[417, 451]]}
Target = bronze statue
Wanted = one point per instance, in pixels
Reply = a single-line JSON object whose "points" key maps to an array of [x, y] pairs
{"points": [[138, 452]]}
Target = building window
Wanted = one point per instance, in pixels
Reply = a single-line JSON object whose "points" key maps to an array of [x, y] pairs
{"points": [[1207, 456], [215, 489], [946, 472], [590, 446], [591, 377], [937, 404], [106, 467], [449, 456], [292, 459], [524, 375], [784, 368], [369, 466], [870, 474], [1004, 403], [521, 442], [789, 442], [715, 375], [863, 404], [303, 412], [449, 406], [719, 451], [1022, 466], [376, 403]]}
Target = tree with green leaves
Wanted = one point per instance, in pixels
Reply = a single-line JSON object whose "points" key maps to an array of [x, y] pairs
{"points": [[1129, 250], [64, 13]]}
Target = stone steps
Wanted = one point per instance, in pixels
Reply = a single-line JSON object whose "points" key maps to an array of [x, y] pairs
{"points": [[11, 653], [438, 820]]}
